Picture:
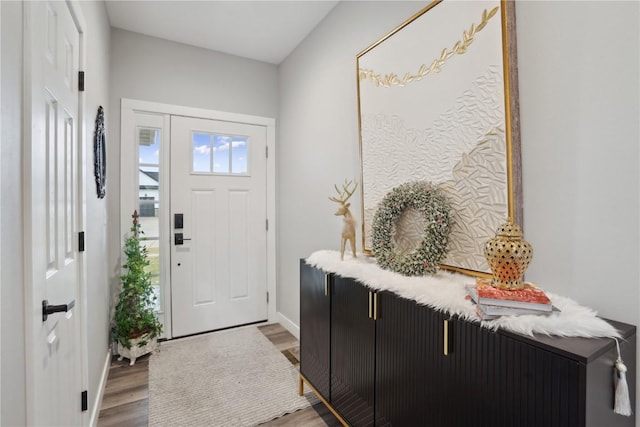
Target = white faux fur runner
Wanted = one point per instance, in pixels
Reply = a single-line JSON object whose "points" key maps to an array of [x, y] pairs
{"points": [[445, 292]]}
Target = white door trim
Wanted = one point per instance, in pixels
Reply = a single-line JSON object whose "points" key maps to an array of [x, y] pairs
{"points": [[78, 17], [130, 106]]}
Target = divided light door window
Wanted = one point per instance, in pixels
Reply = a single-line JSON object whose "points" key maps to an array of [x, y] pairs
{"points": [[219, 154]]}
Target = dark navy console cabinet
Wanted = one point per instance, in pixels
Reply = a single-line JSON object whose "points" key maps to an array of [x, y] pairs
{"points": [[376, 359]]}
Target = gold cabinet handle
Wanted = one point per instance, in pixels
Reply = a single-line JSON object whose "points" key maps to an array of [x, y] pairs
{"points": [[375, 306], [446, 338], [326, 285], [370, 302]]}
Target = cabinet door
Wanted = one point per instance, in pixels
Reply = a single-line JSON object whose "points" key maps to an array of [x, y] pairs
{"points": [[496, 380], [410, 364], [315, 321], [352, 352]]}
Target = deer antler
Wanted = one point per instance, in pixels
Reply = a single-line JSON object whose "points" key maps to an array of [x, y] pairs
{"points": [[345, 193]]}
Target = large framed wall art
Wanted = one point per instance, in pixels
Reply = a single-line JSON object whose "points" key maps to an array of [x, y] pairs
{"points": [[437, 101]]}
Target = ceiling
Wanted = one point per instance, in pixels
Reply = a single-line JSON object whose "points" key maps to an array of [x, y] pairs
{"points": [[262, 30]]}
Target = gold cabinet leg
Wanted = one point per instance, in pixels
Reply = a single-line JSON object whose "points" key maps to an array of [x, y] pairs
{"points": [[300, 386]]}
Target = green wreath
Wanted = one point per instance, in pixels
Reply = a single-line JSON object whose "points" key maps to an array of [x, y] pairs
{"points": [[432, 203]]}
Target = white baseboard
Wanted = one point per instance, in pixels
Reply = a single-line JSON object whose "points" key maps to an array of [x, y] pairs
{"points": [[95, 411], [289, 325]]}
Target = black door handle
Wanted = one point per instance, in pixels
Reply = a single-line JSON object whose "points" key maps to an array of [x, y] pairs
{"points": [[178, 239], [50, 309]]}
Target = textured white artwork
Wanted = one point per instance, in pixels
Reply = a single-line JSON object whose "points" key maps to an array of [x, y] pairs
{"points": [[464, 151], [479, 200]]}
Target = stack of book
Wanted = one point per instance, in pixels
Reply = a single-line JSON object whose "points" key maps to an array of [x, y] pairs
{"points": [[492, 303]]}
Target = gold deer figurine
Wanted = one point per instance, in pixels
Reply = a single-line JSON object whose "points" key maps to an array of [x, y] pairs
{"points": [[349, 228]]}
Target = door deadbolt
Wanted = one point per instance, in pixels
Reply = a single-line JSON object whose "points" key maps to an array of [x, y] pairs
{"points": [[178, 221]]}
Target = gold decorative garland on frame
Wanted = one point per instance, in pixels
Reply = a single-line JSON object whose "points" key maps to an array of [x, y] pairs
{"points": [[458, 48]]}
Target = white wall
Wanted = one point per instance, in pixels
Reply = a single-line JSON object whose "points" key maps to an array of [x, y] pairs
{"points": [[97, 289], [579, 89], [579, 86], [151, 69], [13, 404], [318, 133]]}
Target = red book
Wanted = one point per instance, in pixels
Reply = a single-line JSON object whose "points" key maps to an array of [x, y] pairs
{"points": [[530, 296]]}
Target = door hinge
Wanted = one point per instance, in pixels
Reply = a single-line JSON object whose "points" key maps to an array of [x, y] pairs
{"points": [[85, 402], [267, 224], [81, 81], [266, 151], [267, 297], [81, 241]]}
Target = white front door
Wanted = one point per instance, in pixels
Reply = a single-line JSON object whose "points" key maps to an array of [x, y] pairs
{"points": [[219, 210], [52, 210]]}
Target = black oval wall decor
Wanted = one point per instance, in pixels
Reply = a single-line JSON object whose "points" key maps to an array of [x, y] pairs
{"points": [[100, 155]]}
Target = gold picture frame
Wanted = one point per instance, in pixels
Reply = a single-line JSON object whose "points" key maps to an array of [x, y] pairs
{"points": [[438, 102]]}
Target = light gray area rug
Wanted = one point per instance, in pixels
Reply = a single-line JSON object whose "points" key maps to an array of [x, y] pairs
{"points": [[228, 378]]}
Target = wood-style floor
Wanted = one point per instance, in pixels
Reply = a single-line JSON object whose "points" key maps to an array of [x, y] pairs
{"points": [[126, 396]]}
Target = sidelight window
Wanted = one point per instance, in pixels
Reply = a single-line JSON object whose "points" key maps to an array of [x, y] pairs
{"points": [[148, 141]]}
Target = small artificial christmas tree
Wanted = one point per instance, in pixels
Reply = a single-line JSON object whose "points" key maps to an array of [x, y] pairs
{"points": [[136, 325]]}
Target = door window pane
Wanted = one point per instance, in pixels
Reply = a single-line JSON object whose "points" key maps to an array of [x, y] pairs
{"points": [[221, 153], [153, 255], [149, 146], [239, 156], [201, 152]]}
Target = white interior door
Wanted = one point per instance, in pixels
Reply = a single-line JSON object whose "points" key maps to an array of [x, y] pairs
{"points": [[219, 187], [52, 211]]}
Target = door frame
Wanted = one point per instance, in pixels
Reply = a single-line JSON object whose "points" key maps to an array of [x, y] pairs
{"points": [[1, 199], [31, 321], [128, 109]]}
